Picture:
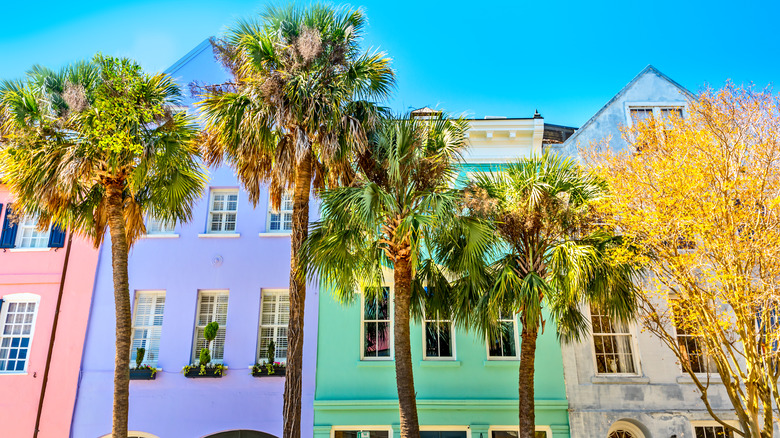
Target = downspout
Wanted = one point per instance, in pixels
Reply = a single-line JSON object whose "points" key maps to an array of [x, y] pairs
{"points": [[53, 335]]}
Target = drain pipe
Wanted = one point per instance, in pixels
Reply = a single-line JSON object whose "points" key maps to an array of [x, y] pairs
{"points": [[53, 335]]}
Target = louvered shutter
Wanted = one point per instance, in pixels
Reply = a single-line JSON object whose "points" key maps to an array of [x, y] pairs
{"points": [[8, 237], [56, 237]]}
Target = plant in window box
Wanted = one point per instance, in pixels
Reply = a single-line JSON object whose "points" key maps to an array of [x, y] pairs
{"points": [[270, 367], [142, 372], [204, 367]]}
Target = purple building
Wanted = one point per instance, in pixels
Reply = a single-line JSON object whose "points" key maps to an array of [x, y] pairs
{"points": [[230, 264]]}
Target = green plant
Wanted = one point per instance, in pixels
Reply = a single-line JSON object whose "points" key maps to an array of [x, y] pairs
{"points": [[205, 356], [269, 355], [210, 332], [139, 356]]}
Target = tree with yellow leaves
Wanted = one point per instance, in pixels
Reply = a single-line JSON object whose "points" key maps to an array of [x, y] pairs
{"points": [[699, 197]]}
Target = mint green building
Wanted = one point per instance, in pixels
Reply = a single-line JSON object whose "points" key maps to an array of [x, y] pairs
{"points": [[466, 386]]}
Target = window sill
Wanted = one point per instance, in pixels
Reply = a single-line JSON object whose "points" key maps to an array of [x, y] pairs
{"points": [[4, 373], [688, 380], [440, 363], [275, 234], [513, 362], [620, 380], [220, 235], [379, 363], [160, 236], [29, 249]]}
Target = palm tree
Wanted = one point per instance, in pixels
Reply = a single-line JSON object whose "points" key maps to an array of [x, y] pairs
{"points": [[390, 217], [294, 117], [548, 251], [98, 146]]}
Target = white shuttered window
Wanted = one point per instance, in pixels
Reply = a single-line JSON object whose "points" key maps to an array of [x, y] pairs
{"points": [[274, 316], [147, 326], [212, 306]]}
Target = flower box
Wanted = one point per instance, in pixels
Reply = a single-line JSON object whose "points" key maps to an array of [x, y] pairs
{"points": [[197, 371], [146, 373], [278, 370]]}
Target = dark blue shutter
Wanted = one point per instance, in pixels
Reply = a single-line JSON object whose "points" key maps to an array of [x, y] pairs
{"points": [[56, 237], [8, 238]]}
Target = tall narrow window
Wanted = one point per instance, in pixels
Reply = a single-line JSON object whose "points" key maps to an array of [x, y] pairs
{"points": [[691, 345], [503, 344], [274, 316], [282, 220], [222, 211], [438, 338], [712, 432], [377, 340], [212, 306], [147, 326], [18, 321], [613, 344], [29, 236]]}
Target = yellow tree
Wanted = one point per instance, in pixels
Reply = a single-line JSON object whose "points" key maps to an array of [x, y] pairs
{"points": [[700, 198]]}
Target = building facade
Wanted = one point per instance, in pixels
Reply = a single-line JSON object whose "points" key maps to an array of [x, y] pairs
{"points": [[44, 276], [230, 264], [466, 385], [620, 381]]}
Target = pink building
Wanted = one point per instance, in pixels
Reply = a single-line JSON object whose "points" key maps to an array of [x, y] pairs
{"points": [[40, 271]]}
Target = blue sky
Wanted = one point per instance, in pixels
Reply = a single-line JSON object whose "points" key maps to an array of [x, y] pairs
{"points": [[484, 58]]}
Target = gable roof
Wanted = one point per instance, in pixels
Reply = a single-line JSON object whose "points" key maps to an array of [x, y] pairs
{"points": [[647, 70], [205, 44]]}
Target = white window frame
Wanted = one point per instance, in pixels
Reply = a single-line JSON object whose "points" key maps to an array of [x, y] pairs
{"points": [[656, 107], [134, 434], [377, 428], [634, 351], [629, 427], [275, 326], [195, 348], [281, 214], [391, 314], [20, 298], [537, 428], [23, 224], [156, 294], [447, 429], [212, 212], [710, 423], [163, 228], [425, 343], [707, 360], [517, 341]]}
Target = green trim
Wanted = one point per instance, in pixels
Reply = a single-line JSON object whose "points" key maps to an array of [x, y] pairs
{"points": [[440, 363], [433, 405]]}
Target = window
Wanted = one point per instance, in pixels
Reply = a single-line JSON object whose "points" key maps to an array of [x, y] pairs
{"points": [[503, 344], [514, 434], [620, 433], [222, 211], [715, 431], [29, 236], [147, 326], [643, 111], [274, 316], [157, 226], [282, 220], [212, 306], [361, 434], [18, 321], [691, 345], [377, 336], [613, 344], [438, 338], [639, 115], [442, 434]]}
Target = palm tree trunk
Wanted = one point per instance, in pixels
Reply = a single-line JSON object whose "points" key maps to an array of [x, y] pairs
{"points": [[119, 250], [527, 420], [300, 229], [404, 375]]}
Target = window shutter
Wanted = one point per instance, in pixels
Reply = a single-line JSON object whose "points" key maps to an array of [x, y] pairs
{"points": [[56, 237], [8, 238]]}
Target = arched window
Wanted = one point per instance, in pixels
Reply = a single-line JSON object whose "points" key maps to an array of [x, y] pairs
{"points": [[625, 429], [241, 434]]}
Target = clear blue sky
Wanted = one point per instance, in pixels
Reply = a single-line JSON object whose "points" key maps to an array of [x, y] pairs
{"points": [[485, 58]]}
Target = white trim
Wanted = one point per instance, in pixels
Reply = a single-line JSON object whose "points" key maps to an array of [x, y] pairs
{"points": [[134, 433], [155, 295], [391, 329], [160, 236], [220, 235], [388, 429], [516, 357], [281, 213], [259, 353], [21, 298], [453, 357], [634, 351], [627, 426], [655, 106], [215, 293], [537, 428], [210, 211], [44, 249], [285, 234], [43, 236], [710, 423]]}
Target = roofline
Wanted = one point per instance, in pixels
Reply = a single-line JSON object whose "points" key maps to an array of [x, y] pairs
{"points": [[559, 126], [188, 57], [623, 90]]}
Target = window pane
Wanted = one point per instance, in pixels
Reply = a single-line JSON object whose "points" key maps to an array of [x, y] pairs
{"points": [[639, 115], [15, 341], [212, 306], [356, 434], [613, 344], [222, 215], [147, 326], [274, 317]]}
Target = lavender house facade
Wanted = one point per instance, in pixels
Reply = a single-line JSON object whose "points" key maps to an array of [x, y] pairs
{"points": [[230, 264]]}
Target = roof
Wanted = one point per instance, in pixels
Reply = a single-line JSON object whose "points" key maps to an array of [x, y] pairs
{"points": [[556, 134], [205, 44]]}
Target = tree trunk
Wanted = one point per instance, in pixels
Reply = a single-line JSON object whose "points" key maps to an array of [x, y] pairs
{"points": [[527, 420], [300, 229], [119, 251], [404, 376]]}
